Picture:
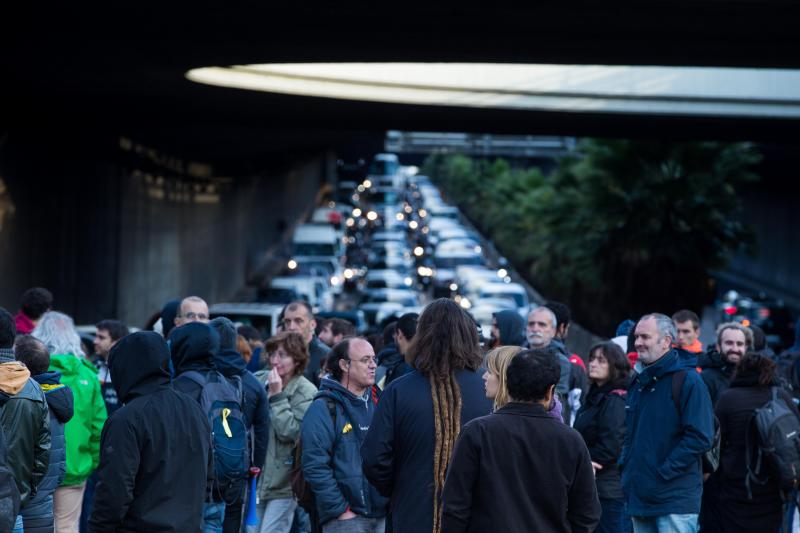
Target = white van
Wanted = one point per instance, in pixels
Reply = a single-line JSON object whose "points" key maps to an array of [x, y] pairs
{"points": [[317, 240]]}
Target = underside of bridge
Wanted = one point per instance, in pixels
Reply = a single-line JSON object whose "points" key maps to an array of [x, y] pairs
{"points": [[99, 101]]}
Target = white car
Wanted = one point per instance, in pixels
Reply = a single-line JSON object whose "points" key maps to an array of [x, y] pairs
{"points": [[263, 317], [311, 288], [513, 291]]}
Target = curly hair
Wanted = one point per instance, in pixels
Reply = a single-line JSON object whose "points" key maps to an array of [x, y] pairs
{"points": [[294, 345]]}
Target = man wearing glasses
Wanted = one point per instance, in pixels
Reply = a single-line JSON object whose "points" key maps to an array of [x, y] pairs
{"points": [[192, 309], [333, 430]]}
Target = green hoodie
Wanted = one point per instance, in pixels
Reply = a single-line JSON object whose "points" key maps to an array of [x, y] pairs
{"points": [[82, 432]]}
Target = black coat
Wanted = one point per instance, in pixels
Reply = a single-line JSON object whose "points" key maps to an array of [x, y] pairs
{"points": [[601, 423], [155, 449], [398, 450], [519, 469], [716, 375], [730, 510]]}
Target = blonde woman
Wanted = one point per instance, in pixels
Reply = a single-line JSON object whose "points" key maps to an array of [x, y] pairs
{"points": [[494, 379]]}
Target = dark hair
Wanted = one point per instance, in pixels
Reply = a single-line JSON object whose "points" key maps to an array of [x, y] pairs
{"points": [[759, 338], [340, 351], [563, 316], [116, 329], [407, 324], [299, 303], [446, 341], [340, 326], [619, 368], [388, 333], [8, 329], [294, 345], [35, 302], [33, 353], [530, 374], [249, 332], [685, 315], [757, 365], [376, 340]]}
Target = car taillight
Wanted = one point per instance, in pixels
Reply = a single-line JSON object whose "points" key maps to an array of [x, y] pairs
{"points": [[763, 312], [731, 310]]}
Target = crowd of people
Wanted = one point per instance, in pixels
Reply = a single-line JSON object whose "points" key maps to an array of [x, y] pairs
{"points": [[429, 427]]}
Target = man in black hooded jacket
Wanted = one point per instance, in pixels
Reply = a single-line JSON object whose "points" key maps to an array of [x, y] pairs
{"points": [[508, 329], [155, 450]]}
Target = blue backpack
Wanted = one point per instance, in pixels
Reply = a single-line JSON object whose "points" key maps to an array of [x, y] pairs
{"points": [[223, 400]]}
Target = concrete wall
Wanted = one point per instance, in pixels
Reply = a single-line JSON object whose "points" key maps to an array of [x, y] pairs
{"points": [[111, 240]]}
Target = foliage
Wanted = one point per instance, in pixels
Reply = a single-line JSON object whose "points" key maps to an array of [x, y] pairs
{"points": [[618, 229]]}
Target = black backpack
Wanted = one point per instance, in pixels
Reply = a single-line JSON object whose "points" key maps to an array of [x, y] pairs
{"points": [[300, 487], [711, 457], [777, 442]]}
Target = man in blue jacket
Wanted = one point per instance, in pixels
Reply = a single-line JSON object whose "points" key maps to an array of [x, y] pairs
{"points": [[333, 430], [661, 459]]}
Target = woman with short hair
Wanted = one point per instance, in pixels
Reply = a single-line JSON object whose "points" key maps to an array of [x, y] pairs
{"points": [[601, 423], [290, 395]]}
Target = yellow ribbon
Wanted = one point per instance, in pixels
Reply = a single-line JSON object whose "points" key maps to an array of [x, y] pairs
{"points": [[225, 426]]}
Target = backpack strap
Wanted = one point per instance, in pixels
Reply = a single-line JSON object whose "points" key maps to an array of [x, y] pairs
{"points": [[677, 386]]}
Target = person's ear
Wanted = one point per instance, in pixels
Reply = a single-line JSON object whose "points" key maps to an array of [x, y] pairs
{"points": [[344, 365]]}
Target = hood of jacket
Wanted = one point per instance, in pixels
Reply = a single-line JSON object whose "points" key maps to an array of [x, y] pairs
{"points": [[229, 362], [13, 376], [139, 365], [193, 347], [59, 396], [357, 409], [511, 326], [389, 354]]}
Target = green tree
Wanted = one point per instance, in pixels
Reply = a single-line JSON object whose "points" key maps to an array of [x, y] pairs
{"points": [[617, 230]]}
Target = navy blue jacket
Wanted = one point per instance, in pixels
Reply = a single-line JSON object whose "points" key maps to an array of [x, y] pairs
{"points": [[398, 451], [661, 455], [331, 457], [37, 514], [256, 404]]}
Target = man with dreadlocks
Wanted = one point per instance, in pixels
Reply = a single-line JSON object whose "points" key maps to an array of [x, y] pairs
{"points": [[409, 444]]}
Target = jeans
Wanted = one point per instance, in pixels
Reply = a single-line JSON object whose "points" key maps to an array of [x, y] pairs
{"points": [[670, 523], [18, 525], [88, 500], [39, 515], [612, 519], [359, 524], [213, 514], [278, 515]]}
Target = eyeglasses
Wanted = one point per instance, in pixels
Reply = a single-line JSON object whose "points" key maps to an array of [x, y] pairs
{"points": [[198, 316]]}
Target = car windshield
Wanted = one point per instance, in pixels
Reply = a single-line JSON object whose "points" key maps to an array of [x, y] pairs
{"points": [[452, 262], [314, 248]]}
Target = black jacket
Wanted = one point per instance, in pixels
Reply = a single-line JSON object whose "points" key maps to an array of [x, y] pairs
{"points": [[155, 449], [24, 419], [519, 470], [317, 351], [601, 423], [731, 510], [397, 453], [716, 375], [256, 404], [391, 365]]}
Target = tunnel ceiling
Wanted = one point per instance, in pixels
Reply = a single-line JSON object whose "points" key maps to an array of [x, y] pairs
{"points": [[122, 72]]}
